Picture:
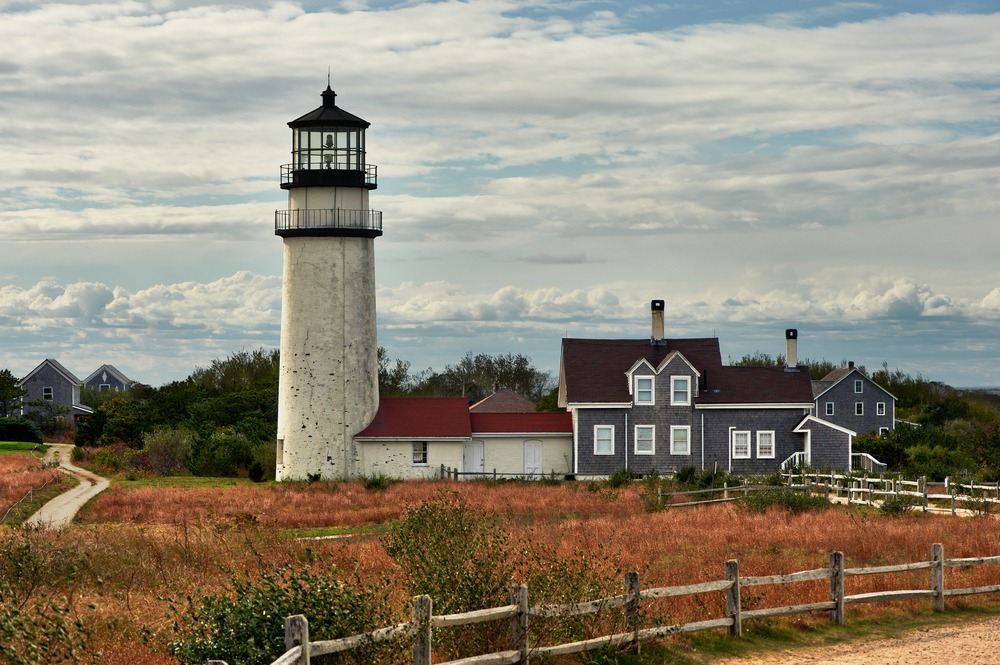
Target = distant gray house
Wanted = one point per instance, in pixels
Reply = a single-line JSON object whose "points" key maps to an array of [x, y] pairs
{"points": [[108, 378], [664, 404], [847, 397], [51, 382]]}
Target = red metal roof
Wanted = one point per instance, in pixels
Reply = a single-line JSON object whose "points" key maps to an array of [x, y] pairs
{"points": [[543, 422], [420, 418]]}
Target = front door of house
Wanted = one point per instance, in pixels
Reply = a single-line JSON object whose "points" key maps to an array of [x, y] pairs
{"points": [[532, 458], [472, 457]]}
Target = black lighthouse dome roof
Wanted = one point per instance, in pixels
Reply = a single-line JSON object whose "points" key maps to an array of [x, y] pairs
{"points": [[329, 115]]}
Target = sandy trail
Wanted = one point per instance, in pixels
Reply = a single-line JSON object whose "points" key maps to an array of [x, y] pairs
{"points": [[61, 510]]}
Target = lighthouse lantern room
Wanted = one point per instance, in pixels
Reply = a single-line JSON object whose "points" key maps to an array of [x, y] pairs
{"points": [[328, 382]]}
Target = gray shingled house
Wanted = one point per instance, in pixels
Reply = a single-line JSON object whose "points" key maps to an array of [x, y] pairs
{"points": [[847, 397], [51, 382], [108, 378], [664, 404]]}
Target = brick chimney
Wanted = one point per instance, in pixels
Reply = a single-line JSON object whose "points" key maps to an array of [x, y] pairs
{"points": [[791, 348], [656, 311]]}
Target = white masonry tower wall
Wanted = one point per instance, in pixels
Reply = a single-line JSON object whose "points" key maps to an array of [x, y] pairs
{"points": [[328, 383]]}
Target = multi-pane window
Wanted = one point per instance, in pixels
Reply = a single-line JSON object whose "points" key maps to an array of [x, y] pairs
{"points": [[829, 408], [741, 445], [859, 408], [419, 452], [643, 390], [644, 437], [680, 390], [880, 409], [765, 444], [47, 393], [859, 386], [604, 440], [680, 440]]}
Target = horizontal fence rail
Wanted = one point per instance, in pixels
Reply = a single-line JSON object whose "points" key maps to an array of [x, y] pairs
{"points": [[334, 218], [419, 630]]}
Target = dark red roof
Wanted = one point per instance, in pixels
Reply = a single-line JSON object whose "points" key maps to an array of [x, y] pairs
{"points": [[757, 385], [503, 401], [543, 422], [420, 418], [594, 372], [594, 369]]}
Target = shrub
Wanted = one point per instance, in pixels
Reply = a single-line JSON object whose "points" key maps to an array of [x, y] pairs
{"points": [[620, 478], [895, 506], [796, 502], [459, 557], [246, 624], [109, 459], [166, 450], [223, 453], [20, 429], [378, 482]]}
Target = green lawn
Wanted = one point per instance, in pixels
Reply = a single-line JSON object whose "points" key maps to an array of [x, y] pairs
{"points": [[187, 482], [20, 447]]}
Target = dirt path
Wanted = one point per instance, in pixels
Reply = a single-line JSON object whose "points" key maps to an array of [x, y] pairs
{"points": [[61, 510], [975, 643]]}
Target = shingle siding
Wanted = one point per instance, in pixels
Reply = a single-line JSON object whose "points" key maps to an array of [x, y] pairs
{"points": [[719, 423], [830, 449], [844, 398]]}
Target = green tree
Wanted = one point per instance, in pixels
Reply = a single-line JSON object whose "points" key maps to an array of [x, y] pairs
{"points": [[10, 394], [393, 376]]}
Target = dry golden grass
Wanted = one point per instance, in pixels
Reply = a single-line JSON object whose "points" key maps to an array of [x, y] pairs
{"points": [[145, 543]]}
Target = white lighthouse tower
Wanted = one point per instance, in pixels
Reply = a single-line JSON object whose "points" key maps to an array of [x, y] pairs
{"points": [[328, 384]]}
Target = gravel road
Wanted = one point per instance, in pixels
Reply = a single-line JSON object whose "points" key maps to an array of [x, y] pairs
{"points": [[61, 510], [966, 643]]}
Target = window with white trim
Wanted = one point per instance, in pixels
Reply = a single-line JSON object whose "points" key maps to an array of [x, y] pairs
{"points": [[680, 390], [880, 409], [419, 453], [47, 393], [741, 444], [644, 390], [859, 386], [883, 430], [604, 439], [829, 408], [645, 436], [680, 440], [859, 408], [765, 445]]}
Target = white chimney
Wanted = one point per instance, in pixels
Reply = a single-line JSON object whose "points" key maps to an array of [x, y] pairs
{"points": [[791, 348], [656, 310]]}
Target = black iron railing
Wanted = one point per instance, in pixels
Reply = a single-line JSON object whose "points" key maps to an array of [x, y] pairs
{"points": [[291, 220], [315, 174]]}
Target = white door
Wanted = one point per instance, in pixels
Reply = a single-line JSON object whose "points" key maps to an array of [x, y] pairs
{"points": [[532, 458], [472, 457]]}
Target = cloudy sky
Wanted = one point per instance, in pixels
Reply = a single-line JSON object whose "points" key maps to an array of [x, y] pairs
{"points": [[545, 169]]}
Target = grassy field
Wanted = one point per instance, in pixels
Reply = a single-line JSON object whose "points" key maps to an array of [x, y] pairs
{"points": [[8, 447], [22, 474], [145, 540]]}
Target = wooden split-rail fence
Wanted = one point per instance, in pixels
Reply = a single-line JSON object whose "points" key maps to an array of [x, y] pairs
{"points": [[419, 630], [951, 497]]}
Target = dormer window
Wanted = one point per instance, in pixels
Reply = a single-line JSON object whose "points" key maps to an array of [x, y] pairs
{"points": [[644, 390], [680, 391]]}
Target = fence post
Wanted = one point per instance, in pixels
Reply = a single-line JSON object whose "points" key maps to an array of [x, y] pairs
{"points": [[923, 489], [632, 618], [937, 575], [297, 633], [519, 624], [837, 587], [733, 597], [422, 609]]}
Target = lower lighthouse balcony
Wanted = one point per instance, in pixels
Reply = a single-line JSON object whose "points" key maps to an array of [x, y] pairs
{"points": [[332, 222]]}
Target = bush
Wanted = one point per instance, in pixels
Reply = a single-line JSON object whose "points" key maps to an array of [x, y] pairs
{"points": [[378, 482], [246, 624], [223, 453], [620, 478], [20, 429], [109, 459], [895, 506], [460, 558], [166, 450], [796, 502]]}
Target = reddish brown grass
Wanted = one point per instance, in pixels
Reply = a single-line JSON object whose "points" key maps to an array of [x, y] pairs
{"points": [[20, 473], [148, 542]]}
